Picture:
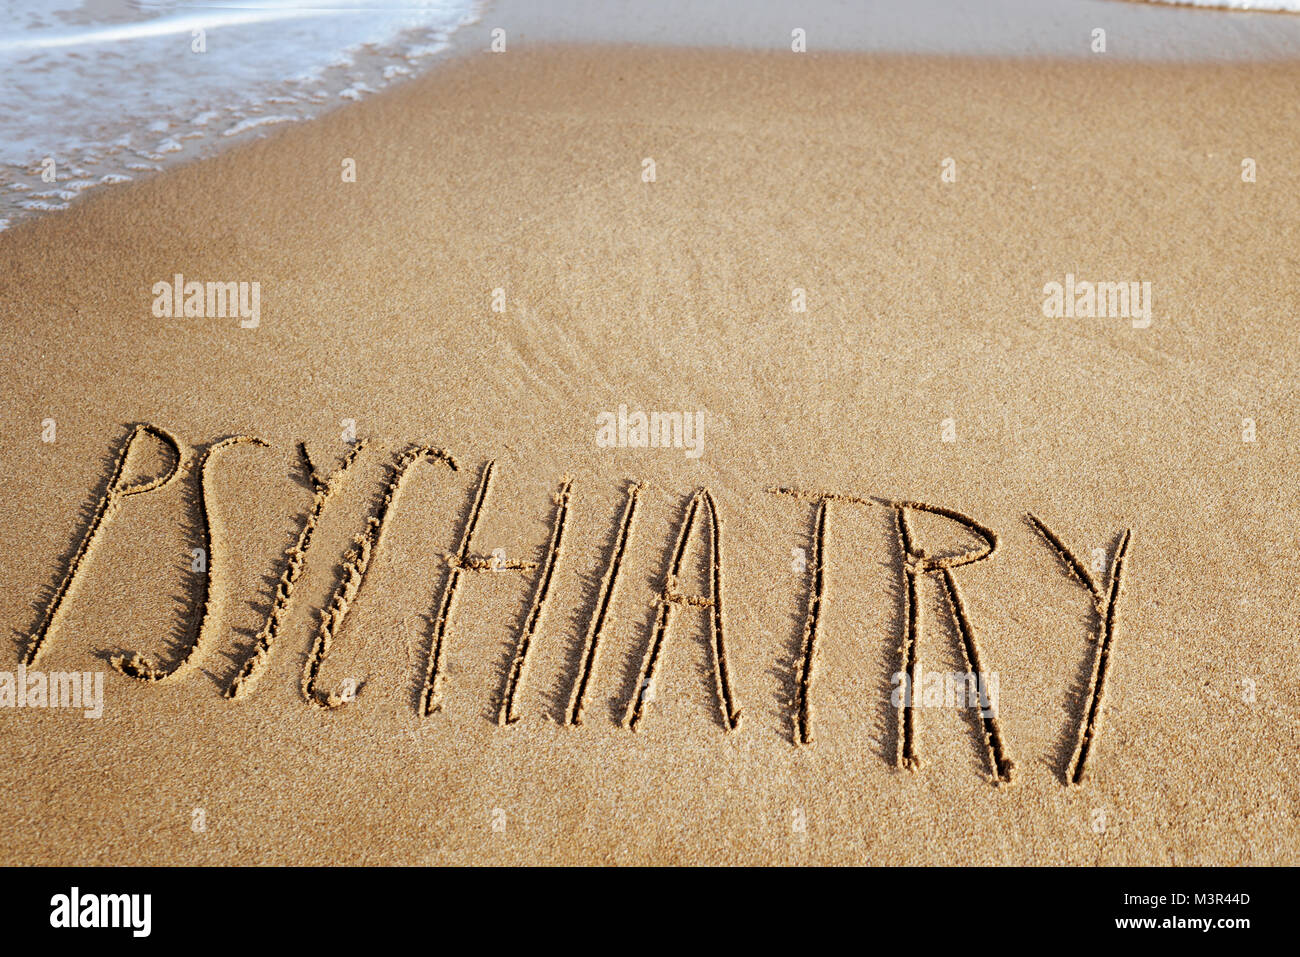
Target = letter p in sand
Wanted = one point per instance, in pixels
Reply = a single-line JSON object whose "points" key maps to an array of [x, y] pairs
{"points": [[117, 491]]}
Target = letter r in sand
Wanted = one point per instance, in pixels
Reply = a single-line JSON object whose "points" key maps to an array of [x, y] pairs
{"points": [[918, 562]]}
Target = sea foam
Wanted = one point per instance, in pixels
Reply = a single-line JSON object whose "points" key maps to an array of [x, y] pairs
{"points": [[115, 88]]}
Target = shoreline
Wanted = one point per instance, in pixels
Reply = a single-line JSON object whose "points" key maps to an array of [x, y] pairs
{"points": [[457, 55], [1018, 30]]}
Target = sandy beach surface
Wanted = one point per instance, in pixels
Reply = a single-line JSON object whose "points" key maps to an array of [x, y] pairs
{"points": [[536, 238]]}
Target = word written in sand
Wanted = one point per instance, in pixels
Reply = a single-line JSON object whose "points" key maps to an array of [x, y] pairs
{"points": [[700, 521]]}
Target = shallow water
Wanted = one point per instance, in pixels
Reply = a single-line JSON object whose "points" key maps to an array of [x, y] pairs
{"points": [[101, 91]]}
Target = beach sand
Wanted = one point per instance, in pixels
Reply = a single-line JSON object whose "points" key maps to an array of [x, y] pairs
{"points": [[924, 315]]}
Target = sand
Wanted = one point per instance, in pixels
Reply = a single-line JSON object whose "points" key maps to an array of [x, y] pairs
{"points": [[924, 320]]}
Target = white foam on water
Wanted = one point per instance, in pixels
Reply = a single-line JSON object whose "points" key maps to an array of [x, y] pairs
{"points": [[1292, 6], [110, 89]]}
